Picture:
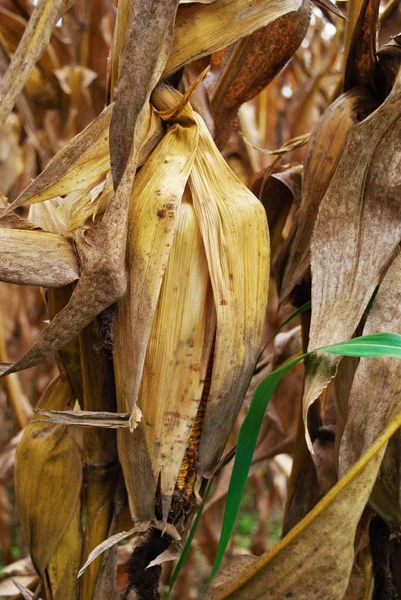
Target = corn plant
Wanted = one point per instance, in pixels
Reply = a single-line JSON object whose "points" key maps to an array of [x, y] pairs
{"points": [[180, 178]]}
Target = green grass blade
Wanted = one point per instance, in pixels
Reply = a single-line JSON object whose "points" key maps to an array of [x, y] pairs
{"points": [[370, 346], [247, 439]]}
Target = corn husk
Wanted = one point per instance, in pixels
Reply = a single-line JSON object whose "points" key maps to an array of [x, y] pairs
{"points": [[48, 478], [218, 265], [234, 230]]}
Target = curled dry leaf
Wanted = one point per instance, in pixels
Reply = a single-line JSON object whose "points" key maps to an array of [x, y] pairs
{"points": [[289, 569], [361, 60], [32, 45], [371, 407], [355, 235], [330, 6], [253, 63], [277, 192], [201, 29]]}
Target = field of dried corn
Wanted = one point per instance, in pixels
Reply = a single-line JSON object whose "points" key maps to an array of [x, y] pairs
{"points": [[200, 316]]}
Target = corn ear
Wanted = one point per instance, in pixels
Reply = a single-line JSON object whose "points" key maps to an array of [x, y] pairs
{"points": [[234, 230], [156, 196], [175, 366], [48, 472]]}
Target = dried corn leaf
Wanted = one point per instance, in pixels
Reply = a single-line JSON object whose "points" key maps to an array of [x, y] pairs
{"points": [[361, 59], [37, 258], [152, 20], [83, 162], [371, 407], [33, 43], [251, 66], [323, 154], [357, 230], [234, 230], [101, 250], [47, 458], [201, 29], [303, 567], [84, 418]]}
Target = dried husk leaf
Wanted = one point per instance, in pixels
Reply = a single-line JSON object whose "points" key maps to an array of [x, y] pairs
{"points": [[201, 29], [298, 565], [324, 151], [156, 196], [234, 230], [371, 407], [32, 45], [357, 230], [175, 368], [37, 258], [253, 64], [47, 458], [60, 580]]}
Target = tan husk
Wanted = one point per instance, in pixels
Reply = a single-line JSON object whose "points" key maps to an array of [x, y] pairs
{"points": [[156, 196], [234, 230], [48, 472]]}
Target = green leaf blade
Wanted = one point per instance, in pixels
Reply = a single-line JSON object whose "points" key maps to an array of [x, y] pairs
{"points": [[243, 458]]}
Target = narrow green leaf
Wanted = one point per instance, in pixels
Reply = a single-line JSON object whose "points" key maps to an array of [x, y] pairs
{"points": [[370, 346], [243, 457]]}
